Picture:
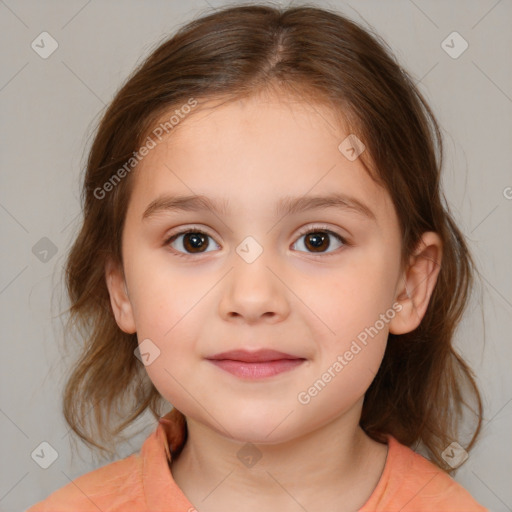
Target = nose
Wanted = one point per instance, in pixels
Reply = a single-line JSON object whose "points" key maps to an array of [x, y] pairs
{"points": [[254, 292]]}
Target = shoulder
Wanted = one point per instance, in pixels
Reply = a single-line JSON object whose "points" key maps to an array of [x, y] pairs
{"points": [[114, 487], [411, 483]]}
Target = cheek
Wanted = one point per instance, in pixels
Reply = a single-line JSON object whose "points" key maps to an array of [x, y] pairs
{"points": [[355, 297], [357, 310], [174, 367], [340, 386], [167, 306], [162, 294], [344, 373]]}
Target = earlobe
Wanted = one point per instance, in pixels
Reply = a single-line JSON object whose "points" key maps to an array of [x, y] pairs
{"points": [[119, 299], [417, 284]]}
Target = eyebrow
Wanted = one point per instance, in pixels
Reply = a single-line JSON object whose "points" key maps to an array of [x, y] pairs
{"points": [[286, 206]]}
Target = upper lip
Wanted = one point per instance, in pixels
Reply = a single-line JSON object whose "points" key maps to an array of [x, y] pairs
{"points": [[254, 356]]}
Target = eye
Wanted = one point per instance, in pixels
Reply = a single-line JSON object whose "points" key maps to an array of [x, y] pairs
{"points": [[317, 240], [194, 241]]}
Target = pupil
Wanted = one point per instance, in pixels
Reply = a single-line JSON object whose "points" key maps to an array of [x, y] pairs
{"points": [[317, 239]]}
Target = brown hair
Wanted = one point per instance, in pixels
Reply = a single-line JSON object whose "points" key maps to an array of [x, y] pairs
{"points": [[320, 57]]}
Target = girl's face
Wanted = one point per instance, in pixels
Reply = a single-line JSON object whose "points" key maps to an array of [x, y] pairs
{"points": [[270, 272]]}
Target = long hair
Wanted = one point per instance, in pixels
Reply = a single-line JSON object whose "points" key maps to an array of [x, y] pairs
{"points": [[324, 58]]}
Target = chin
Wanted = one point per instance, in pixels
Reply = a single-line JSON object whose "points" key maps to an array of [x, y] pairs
{"points": [[258, 427]]}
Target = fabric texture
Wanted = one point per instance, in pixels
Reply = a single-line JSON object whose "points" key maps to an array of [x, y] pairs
{"points": [[142, 482]]}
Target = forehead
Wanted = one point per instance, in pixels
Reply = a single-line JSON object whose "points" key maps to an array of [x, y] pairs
{"points": [[258, 148]]}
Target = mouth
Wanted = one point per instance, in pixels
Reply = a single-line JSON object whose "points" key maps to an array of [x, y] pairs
{"points": [[255, 365]]}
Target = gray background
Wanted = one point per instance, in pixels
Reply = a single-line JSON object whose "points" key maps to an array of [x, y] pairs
{"points": [[48, 110]]}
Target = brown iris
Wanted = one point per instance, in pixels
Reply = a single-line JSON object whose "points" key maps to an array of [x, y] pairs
{"points": [[193, 241], [315, 240]]}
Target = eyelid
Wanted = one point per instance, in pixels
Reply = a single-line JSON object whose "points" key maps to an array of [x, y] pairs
{"points": [[187, 227], [183, 231], [320, 227]]}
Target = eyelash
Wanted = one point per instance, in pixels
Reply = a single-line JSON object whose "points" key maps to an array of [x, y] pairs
{"points": [[309, 229]]}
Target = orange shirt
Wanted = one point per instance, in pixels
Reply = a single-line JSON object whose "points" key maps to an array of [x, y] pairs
{"points": [[143, 482]]}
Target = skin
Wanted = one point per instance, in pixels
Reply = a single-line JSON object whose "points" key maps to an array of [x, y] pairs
{"points": [[310, 304]]}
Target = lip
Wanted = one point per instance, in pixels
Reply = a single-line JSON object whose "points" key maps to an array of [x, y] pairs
{"points": [[257, 356], [255, 365]]}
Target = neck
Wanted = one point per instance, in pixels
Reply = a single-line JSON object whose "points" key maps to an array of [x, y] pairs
{"points": [[335, 463]]}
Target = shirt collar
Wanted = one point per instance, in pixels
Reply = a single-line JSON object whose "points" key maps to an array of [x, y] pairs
{"points": [[173, 426], [160, 490]]}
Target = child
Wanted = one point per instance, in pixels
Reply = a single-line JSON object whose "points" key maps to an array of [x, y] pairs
{"points": [[266, 247]]}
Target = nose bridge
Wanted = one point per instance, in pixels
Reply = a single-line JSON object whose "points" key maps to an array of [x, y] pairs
{"points": [[253, 290]]}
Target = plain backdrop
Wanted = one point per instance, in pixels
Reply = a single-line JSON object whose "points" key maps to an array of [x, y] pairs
{"points": [[49, 107]]}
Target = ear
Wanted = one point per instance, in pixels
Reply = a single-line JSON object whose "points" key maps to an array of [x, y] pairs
{"points": [[121, 305], [418, 282]]}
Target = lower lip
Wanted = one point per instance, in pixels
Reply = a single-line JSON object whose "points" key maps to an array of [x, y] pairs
{"points": [[259, 370]]}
